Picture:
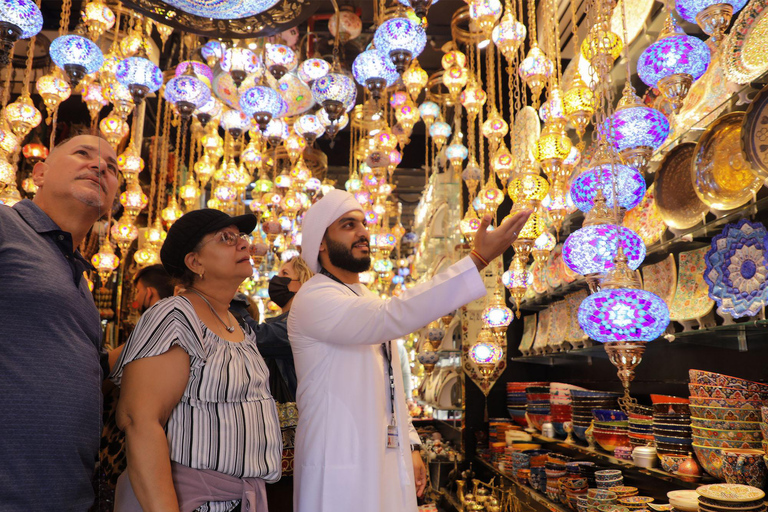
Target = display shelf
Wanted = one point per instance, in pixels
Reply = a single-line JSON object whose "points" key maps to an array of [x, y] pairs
{"points": [[527, 496], [451, 424]]}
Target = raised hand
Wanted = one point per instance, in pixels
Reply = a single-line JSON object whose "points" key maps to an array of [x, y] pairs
{"points": [[490, 245]]}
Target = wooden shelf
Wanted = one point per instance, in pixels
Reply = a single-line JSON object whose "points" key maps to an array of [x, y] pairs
{"points": [[529, 498]]}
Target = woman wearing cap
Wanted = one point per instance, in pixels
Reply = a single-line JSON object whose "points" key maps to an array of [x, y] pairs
{"points": [[202, 430]]}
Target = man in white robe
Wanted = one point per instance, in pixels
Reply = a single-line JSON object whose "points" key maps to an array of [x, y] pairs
{"points": [[340, 334]]}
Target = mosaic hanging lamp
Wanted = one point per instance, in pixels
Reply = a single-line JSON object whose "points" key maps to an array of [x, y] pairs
{"points": [[402, 39], [77, 56], [124, 232], [455, 79], [605, 173], [235, 122], [472, 176], [429, 111], [508, 34], [224, 9], [601, 47], [130, 163], [187, 93], [497, 316], [673, 63], [374, 71], [200, 70], [105, 261], [312, 69], [713, 16], [552, 147], [542, 246], [309, 127], [94, 99], [262, 103], [140, 76], [19, 19], [486, 353], [592, 249], [210, 109], [22, 116], [415, 79], [517, 280], [239, 62], [336, 92], [579, 105], [279, 59], [98, 18], [485, 13], [536, 69]]}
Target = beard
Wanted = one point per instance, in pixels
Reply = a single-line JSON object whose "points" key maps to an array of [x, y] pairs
{"points": [[341, 257]]}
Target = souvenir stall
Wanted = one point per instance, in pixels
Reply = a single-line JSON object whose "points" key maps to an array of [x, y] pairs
{"points": [[617, 362]]}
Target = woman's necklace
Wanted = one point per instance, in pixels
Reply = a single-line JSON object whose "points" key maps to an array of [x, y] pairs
{"points": [[227, 327]]}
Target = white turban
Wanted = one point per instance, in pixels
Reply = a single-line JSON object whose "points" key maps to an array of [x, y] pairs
{"points": [[317, 220]]}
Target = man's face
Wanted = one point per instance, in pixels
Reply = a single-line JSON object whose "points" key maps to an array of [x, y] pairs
{"points": [[84, 169], [141, 297], [347, 242]]}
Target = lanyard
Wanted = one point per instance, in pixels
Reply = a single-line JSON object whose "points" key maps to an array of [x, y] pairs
{"points": [[384, 347]]}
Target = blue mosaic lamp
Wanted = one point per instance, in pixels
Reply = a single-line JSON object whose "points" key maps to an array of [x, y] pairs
{"points": [[429, 111], [336, 92], [77, 56], [279, 59], [199, 69], [673, 63], [262, 103], [402, 39], [440, 131], [140, 76], [635, 129], [623, 314], [374, 71], [607, 175], [208, 111], [188, 93], [212, 51], [592, 249], [312, 69], [235, 122], [309, 127], [713, 16], [239, 62], [456, 153], [223, 9], [19, 19]]}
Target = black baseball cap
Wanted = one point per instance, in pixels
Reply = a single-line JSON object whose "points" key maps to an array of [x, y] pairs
{"points": [[187, 232]]}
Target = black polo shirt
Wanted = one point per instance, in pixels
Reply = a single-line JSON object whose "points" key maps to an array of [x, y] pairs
{"points": [[50, 366]]}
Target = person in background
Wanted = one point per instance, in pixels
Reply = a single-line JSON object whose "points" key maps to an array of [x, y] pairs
{"points": [[405, 366], [51, 362], [201, 426], [150, 284]]}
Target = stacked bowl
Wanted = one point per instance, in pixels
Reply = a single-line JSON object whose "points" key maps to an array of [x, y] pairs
{"points": [[685, 500], [517, 400], [583, 402], [607, 478], [671, 425], [730, 498], [611, 429], [764, 430], [537, 405], [725, 414], [560, 405], [640, 420]]}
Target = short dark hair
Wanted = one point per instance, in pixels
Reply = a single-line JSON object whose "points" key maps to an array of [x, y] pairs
{"points": [[155, 276]]}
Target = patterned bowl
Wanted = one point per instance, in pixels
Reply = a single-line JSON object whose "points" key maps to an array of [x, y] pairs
{"points": [[725, 413], [681, 441], [671, 408], [711, 460], [623, 491], [635, 502], [717, 443], [718, 379], [764, 429], [764, 413], [701, 391], [728, 435], [724, 424], [671, 463], [611, 415], [725, 402], [668, 399]]}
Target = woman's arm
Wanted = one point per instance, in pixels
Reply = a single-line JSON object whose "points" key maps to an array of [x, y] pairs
{"points": [[151, 388]]}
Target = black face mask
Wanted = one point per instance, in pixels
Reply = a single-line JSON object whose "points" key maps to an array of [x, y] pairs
{"points": [[279, 292]]}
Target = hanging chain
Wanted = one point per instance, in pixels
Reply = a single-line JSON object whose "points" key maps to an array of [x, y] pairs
{"points": [[161, 187], [153, 167], [532, 23], [66, 12], [7, 85], [556, 23], [30, 58]]}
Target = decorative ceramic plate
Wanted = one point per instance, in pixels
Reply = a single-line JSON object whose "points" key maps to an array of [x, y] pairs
{"points": [[525, 133], [554, 277], [529, 333], [573, 301], [540, 285], [737, 268], [542, 330], [558, 323], [722, 177], [661, 278], [754, 133], [744, 50], [731, 492], [676, 199], [645, 219], [692, 294]]}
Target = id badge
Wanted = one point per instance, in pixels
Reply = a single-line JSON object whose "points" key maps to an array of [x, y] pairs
{"points": [[392, 441]]}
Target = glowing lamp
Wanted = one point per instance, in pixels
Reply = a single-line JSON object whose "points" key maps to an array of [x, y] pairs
{"points": [[627, 181], [440, 131], [239, 62], [19, 19], [262, 103], [374, 71], [402, 39], [22, 116], [536, 69], [312, 69], [592, 249], [508, 35], [415, 79], [140, 76], [77, 56], [105, 261], [336, 93], [623, 314]]}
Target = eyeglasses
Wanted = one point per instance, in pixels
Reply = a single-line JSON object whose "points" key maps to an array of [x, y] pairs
{"points": [[229, 238]]}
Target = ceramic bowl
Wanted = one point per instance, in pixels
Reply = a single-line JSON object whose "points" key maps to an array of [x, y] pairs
{"points": [[607, 474], [610, 441], [685, 441], [622, 491], [611, 425], [602, 494], [684, 500], [539, 419], [724, 402], [672, 419], [635, 502], [671, 408], [725, 413], [718, 379], [580, 431], [764, 429], [724, 424], [702, 391], [670, 463], [667, 399], [717, 443], [711, 460], [674, 449], [728, 435], [609, 415], [764, 413]]}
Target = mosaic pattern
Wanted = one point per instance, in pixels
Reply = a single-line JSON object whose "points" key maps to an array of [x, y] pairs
{"points": [[672, 55], [189, 89], [66, 50], [261, 99], [400, 34], [629, 184], [692, 294], [335, 87], [591, 249], [688, 9], [223, 9], [24, 14], [737, 268], [623, 314], [635, 127], [140, 71]]}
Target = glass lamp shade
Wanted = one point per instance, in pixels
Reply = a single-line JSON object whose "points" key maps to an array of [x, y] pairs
{"points": [[312, 69], [336, 92], [53, 89], [239, 62], [187, 93], [132, 43], [309, 127], [98, 18], [528, 188], [279, 59], [494, 128], [415, 79], [22, 116], [213, 51], [19, 19], [472, 174], [397, 99], [235, 122], [591, 249], [189, 192], [9, 143], [536, 69], [453, 58], [114, 129], [456, 153], [517, 280], [623, 314], [497, 316], [94, 98], [34, 152], [690, 10], [630, 186], [407, 115], [440, 131], [402, 39], [262, 103], [251, 157], [601, 47], [485, 13], [225, 9], [553, 109], [77, 56], [105, 261], [133, 199], [199, 69], [429, 112], [552, 148], [140, 76], [212, 108], [579, 104], [130, 163], [347, 23], [374, 71], [276, 130], [332, 126], [472, 99], [489, 198], [545, 242], [294, 146], [508, 35], [7, 173], [674, 53], [486, 353], [454, 79]]}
